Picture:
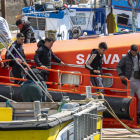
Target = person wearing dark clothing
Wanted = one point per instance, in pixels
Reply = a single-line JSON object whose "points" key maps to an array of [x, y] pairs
{"points": [[94, 64], [16, 69], [30, 91], [44, 55], [129, 67], [26, 30]]}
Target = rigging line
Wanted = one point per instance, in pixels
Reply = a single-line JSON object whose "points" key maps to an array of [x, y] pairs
{"points": [[49, 96], [29, 68], [19, 63]]}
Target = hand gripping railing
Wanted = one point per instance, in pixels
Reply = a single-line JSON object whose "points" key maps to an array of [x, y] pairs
{"points": [[88, 75]]}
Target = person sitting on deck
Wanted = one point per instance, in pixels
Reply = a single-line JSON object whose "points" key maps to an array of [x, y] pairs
{"points": [[30, 91], [94, 64]]}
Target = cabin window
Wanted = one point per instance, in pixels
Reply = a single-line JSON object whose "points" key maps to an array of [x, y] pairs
{"points": [[107, 82], [79, 19], [41, 23], [70, 79]]}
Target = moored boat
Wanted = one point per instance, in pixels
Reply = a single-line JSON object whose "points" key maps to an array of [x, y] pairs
{"points": [[72, 80], [86, 123]]}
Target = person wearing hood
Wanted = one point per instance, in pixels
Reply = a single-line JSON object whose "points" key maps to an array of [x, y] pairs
{"points": [[30, 91], [44, 55], [26, 30], [129, 67]]}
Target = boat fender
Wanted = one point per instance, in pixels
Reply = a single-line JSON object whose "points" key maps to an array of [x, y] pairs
{"points": [[120, 106]]}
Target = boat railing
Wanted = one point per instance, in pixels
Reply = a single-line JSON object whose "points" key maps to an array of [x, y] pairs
{"points": [[78, 88]]}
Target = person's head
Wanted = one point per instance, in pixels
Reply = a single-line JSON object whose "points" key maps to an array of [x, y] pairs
{"points": [[134, 50], [20, 24], [102, 47], [49, 42], [20, 38]]}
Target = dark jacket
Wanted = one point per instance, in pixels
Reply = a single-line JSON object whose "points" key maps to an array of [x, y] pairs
{"points": [[44, 55], [125, 66], [94, 62], [20, 49], [28, 33], [29, 90]]}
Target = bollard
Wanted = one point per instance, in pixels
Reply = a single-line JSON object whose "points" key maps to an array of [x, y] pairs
{"points": [[88, 92], [37, 109]]}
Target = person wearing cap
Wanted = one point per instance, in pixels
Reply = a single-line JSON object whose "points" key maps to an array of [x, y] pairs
{"points": [[129, 67], [30, 91], [44, 54], [26, 30]]}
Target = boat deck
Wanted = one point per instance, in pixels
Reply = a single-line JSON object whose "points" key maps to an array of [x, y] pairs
{"points": [[120, 134]]}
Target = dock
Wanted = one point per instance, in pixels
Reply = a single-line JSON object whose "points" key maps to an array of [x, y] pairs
{"points": [[119, 134]]}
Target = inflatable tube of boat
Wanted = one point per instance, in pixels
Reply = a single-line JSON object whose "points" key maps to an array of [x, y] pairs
{"points": [[10, 92], [120, 106]]}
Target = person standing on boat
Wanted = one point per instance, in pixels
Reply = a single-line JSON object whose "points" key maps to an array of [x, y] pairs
{"points": [[44, 55], [26, 30], [16, 69], [129, 67], [94, 64]]}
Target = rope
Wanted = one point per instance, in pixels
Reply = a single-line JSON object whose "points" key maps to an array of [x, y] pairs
{"points": [[115, 116], [60, 107], [9, 105], [111, 112]]}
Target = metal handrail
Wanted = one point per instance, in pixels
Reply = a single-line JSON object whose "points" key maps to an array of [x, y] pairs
{"points": [[79, 86]]}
